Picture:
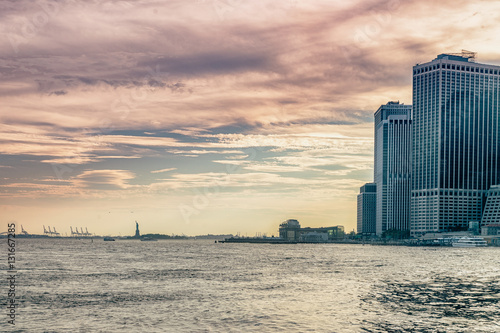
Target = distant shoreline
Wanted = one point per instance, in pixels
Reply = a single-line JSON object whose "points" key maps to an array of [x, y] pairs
{"points": [[256, 240]]}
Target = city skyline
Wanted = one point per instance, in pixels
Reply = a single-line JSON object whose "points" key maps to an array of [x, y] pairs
{"points": [[208, 116], [437, 163]]}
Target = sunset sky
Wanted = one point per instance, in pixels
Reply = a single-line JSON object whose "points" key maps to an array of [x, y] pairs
{"points": [[207, 116]]}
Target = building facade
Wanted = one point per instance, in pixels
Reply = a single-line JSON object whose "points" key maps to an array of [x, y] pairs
{"points": [[455, 142], [366, 216], [291, 231], [491, 212], [490, 230], [392, 171]]}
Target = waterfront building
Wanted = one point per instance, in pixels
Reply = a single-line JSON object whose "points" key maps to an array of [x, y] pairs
{"points": [[490, 230], [314, 237], [367, 209], [455, 141], [392, 170], [474, 227], [332, 233], [290, 230]]}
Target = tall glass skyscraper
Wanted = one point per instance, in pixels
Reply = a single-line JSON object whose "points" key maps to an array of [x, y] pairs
{"points": [[455, 142], [392, 170]]}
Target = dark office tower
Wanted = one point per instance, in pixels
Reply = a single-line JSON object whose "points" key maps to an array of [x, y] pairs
{"points": [[393, 167], [456, 157], [366, 209]]}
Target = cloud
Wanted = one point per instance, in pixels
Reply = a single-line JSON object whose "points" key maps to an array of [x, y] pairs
{"points": [[163, 170], [58, 92], [315, 63], [105, 179]]}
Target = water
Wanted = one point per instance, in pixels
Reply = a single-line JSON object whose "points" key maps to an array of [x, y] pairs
{"points": [[69, 285]]}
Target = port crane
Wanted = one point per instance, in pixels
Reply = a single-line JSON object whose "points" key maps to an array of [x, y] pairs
{"points": [[50, 232], [24, 231], [87, 233], [74, 233], [80, 233]]}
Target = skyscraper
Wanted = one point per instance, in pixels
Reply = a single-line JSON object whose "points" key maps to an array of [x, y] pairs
{"points": [[366, 209], [455, 141], [392, 170], [491, 212]]}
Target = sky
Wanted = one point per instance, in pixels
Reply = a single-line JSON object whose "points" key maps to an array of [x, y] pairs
{"points": [[207, 116]]}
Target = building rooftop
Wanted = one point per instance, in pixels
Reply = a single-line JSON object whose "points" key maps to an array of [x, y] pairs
{"points": [[290, 223], [454, 57], [455, 61]]}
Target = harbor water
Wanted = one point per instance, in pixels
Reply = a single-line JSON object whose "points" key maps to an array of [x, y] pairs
{"points": [[71, 285]]}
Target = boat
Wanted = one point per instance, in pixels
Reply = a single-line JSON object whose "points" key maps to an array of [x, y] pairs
{"points": [[109, 239], [469, 242], [148, 239]]}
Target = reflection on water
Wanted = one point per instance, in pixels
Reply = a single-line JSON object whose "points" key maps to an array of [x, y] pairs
{"points": [[199, 286], [450, 302]]}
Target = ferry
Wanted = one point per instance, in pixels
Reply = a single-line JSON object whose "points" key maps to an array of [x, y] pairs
{"points": [[469, 242], [109, 239]]}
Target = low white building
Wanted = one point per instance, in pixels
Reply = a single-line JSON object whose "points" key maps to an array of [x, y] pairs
{"points": [[490, 230], [314, 237]]}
